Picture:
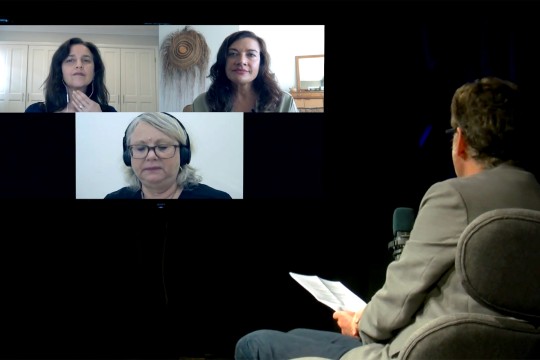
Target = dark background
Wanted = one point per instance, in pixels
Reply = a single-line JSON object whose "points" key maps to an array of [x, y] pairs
{"points": [[94, 279]]}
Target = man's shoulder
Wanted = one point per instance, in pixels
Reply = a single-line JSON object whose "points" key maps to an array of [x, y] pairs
{"points": [[494, 183]]}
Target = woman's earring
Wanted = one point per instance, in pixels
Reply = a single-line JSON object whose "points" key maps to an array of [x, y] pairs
{"points": [[92, 83], [67, 91]]}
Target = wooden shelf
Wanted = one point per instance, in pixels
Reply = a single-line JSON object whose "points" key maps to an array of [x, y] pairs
{"points": [[309, 101]]}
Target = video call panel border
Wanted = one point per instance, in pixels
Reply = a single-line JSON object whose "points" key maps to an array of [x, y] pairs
{"points": [[284, 156]]}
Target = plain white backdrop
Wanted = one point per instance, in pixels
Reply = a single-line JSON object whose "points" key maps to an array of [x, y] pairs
{"points": [[217, 149]]}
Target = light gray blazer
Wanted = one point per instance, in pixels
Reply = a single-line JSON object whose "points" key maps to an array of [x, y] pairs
{"points": [[423, 285]]}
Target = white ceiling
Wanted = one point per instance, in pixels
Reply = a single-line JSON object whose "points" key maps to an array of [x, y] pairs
{"points": [[134, 30]]}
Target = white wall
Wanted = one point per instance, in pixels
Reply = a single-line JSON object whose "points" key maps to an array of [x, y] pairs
{"points": [[117, 35], [216, 151], [284, 42]]}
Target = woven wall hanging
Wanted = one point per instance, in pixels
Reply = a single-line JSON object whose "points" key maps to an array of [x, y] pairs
{"points": [[184, 58]]}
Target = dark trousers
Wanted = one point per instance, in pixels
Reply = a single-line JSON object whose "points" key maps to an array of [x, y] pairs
{"points": [[278, 345]]}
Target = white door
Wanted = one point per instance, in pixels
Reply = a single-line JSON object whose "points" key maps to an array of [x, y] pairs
{"points": [[13, 62], [138, 80], [111, 59], [39, 63]]}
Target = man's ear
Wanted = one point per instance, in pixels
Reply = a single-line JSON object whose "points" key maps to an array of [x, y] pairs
{"points": [[461, 144]]}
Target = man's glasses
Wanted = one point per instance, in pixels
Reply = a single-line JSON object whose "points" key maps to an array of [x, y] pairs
{"points": [[161, 151], [450, 132]]}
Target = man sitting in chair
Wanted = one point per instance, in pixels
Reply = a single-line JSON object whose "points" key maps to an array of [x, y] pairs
{"points": [[491, 146]]}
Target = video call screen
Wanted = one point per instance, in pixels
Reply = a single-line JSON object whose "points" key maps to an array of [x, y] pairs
{"points": [[160, 68]]}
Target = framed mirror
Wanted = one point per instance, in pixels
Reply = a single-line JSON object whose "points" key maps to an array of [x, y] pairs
{"points": [[310, 73]]}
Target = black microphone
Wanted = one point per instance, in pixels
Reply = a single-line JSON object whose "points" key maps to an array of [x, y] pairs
{"points": [[402, 225]]}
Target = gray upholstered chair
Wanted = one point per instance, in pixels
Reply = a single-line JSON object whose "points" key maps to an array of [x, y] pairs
{"points": [[498, 259]]}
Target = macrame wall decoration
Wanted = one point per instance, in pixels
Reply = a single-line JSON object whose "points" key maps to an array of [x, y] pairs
{"points": [[184, 57]]}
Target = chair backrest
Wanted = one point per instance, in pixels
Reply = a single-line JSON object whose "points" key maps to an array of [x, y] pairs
{"points": [[498, 260]]}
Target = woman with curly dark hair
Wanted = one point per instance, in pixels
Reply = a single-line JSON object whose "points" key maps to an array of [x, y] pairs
{"points": [[242, 80], [76, 80]]}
